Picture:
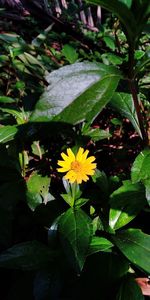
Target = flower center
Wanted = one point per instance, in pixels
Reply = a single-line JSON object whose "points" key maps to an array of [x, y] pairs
{"points": [[76, 166]]}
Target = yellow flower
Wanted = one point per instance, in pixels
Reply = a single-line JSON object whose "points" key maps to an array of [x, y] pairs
{"points": [[77, 167]]}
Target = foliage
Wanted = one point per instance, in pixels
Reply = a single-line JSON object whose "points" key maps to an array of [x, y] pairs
{"points": [[62, 240]]}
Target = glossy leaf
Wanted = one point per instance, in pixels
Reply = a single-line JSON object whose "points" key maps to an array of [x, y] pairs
{"points": [[135, 245], [25, 256], [87, 88], [75, 232], [7, 133], [129, 289], [125, 203], [123, 103], [99, 244], [141, 167]]}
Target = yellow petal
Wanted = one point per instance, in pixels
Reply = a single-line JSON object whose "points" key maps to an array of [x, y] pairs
{"points": [[90, 159], [84, 156], [62, 170], [71, 155], [63, 163], [64, 156], [84, 177], [71, 176], [79, 154]]}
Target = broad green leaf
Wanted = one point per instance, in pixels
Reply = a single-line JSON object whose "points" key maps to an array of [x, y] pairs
{"points": [[141, 167], [99, 244], [37, 190], [91, 102], [129, 289], [135, 245], [125, 203], [7, 133], [26, 256], [70, 53], [123, 103], [76, 92], [122, 12], [4, 99], [75, 230]]}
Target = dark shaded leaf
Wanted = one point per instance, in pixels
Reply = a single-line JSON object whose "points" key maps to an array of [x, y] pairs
{"points": [[135, 245], [30, 255], [75, 229], [129, 289]]}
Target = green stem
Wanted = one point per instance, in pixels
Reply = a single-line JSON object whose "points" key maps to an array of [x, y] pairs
{"points": [[74, 189]]}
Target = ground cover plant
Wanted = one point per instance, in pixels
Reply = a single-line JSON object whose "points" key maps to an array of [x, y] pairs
{"points": [[75, 157]]}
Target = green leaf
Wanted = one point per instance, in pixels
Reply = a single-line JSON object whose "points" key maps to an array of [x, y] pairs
{"points": [[109, 42], [10, 38], [37, 190], [122, 12], [99, 244], [135, 245], [27, 256], [123, 103], [87, 87], [19, 115], [96, 134], [100, 179], [70, 53], [129, 289], [4, 99], [7, 133], [127, 2], [91, 102], [147, 187], [141, 167], [80, 202], [112, 58], [75, 229], [125, 203], [145, 61]]}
